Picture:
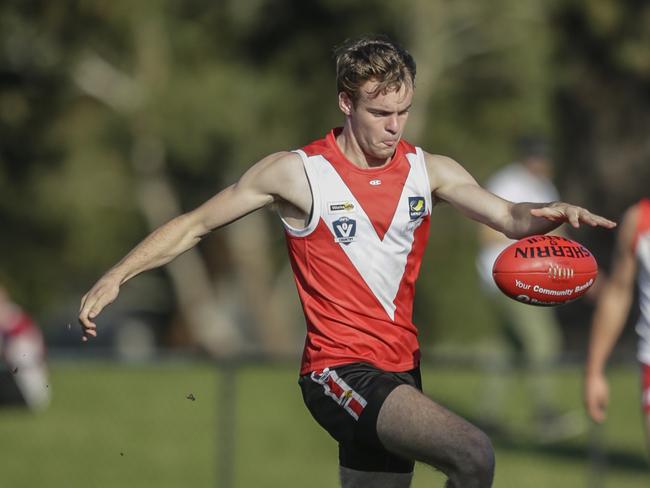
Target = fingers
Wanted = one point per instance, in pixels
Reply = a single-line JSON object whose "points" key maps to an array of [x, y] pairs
{"points": [[573, 215], [88, 327], [585, 216], [597, 411], [598, 221], [596, 397], [549, 213], [92, 304]]}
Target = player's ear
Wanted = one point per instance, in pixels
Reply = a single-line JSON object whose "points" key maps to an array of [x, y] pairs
{"points": [[345, 103]]}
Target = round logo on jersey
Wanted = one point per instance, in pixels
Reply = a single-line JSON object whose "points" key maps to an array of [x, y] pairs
{"points": [[375, 182], [345, 230]]}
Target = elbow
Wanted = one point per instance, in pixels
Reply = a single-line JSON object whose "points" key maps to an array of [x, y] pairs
{"points": [[191, 227]]}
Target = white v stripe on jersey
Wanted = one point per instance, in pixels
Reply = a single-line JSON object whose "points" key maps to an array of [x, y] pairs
{"points": [[380, 262]]}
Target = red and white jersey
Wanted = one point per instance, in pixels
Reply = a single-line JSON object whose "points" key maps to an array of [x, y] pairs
{"points": [[357, 260], [642, 252], [23, 351]]}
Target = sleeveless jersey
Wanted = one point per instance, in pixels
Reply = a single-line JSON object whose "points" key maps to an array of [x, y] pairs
{"points": [[642, 252], [356, 262]]}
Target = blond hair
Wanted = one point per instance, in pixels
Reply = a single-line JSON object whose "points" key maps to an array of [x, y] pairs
{"points": [[374, 58]]}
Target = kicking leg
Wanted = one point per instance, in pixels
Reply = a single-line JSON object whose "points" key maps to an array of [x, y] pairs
{"points": [[413, 426]]}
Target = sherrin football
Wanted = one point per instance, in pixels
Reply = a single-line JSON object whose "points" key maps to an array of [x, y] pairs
{"points": [[545, 270]]}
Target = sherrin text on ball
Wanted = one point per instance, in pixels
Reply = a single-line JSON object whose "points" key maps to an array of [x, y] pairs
{"points": [[545, 270]]}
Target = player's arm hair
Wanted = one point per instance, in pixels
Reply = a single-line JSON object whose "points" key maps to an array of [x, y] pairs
{"points": [[615, 298], [261, 185], [452, 183]]}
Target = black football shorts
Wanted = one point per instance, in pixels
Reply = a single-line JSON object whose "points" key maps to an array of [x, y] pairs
{"points": [[345, 401]]}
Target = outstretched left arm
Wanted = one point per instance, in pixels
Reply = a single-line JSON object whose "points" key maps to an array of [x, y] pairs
{"points": [[452, 183]]}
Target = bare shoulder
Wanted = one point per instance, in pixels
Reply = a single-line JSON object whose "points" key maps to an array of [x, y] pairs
{"points": [[282, 175], [438, 160], [274, 172], [443, 170], [283, 163], [288, 170]]}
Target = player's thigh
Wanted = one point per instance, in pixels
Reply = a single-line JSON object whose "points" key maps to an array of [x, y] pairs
{"points": [[412, 425]]}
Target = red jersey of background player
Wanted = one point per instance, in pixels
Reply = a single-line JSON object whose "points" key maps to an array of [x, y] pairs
{"points": [[22, 349], [641, 249], [357, 260]]}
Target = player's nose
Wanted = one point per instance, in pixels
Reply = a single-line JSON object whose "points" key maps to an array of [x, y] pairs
{"points": [[392, 124]]}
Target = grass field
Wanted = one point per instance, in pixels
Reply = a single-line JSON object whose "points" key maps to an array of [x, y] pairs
{"points": [[112, 425]]}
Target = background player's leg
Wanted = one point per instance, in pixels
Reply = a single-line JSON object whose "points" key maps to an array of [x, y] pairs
{"points": [[351, 478], [540, 337], [645, 401], [647, 431], [413, 426]]}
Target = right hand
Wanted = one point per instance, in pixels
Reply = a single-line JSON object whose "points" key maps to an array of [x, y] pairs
{"points": [[596, 396], [103, 293]]}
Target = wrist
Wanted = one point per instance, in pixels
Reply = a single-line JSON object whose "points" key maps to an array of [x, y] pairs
{"points": [[594, 372], [116, 275]]}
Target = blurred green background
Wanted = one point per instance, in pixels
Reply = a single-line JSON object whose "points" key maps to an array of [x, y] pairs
{"points": [[115, 116]]}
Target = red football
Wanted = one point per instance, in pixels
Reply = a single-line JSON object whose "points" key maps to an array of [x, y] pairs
{"points": [[545, 270]]}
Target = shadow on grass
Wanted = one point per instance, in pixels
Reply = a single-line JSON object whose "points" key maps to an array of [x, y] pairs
{"points": [[587, 447]]}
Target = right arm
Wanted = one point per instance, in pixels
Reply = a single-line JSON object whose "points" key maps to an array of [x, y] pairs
{"points": [[452, 183], [609, 318], [277, 177]]}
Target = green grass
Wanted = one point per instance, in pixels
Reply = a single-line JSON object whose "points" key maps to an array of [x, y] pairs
{"points": [[116, 426], [112, 426]]}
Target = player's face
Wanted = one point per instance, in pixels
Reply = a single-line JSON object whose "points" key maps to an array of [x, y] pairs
{"points": [[378, 121]]}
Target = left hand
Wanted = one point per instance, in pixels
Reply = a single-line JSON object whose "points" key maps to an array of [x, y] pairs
{"points": [[565, 212], [596, 396]]}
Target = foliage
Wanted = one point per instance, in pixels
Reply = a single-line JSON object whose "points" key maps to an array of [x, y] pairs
{"points": [[223, 83]]}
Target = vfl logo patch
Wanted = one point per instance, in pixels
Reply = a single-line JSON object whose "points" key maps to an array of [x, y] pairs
{"points": [[345, 230], [340, 207], [417, 207]]}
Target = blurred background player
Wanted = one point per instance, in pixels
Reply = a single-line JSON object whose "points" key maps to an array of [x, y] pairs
{"points": [[631, 259], [24, 377], [528, 336]]}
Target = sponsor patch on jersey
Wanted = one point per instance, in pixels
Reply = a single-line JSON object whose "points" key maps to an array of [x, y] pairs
{"points": [[417, 207], [340, 207], [345, 230]]}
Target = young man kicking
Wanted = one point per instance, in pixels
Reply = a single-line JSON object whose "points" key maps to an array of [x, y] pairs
{"points": [[356, 208]]}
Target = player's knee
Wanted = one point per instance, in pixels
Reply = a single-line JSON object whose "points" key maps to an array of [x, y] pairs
{"points": [[477, 462], [472, 464]]}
